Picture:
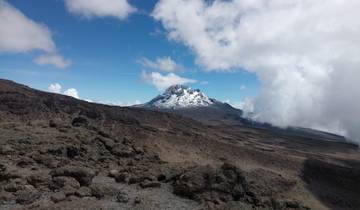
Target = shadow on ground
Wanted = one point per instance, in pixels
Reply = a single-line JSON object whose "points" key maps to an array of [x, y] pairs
{"points": [[337, 185]]}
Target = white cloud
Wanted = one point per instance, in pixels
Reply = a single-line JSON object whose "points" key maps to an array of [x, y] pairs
{"points": [[72, 92], [115, 103], [161, 82], [305, 53], [55, 88], [53, 59], [163, 63], [20, 34], [100, 8], [121, 103], [243, 87]]}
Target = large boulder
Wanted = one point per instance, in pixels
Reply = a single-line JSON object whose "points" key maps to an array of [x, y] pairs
{"points": [[218, 186], [202, 181]]}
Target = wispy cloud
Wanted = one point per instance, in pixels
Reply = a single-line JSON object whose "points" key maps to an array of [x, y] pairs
{"points": [[165, 64], [161, 82], [120, 9], [55, 88], [53, 59]]}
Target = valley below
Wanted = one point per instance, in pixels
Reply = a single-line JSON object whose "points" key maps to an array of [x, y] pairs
{"points": [[57, 152]]}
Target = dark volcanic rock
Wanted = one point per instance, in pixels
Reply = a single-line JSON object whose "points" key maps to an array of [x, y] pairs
{"points": [[122, 197], [122, 177], [38, 180], [228, 183], [57, 197], [263, 183], [63, 181], [6, 197], [122, 150], [100, 191], [79, 121], [13, 187], [27, 197], [82, 174], [83, 192], [199, 182], [150, 184], [72, 151]]}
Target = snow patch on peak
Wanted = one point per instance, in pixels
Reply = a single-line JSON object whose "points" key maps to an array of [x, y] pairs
{"points": [[180, 96]]}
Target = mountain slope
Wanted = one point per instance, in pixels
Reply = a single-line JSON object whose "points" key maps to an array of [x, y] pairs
{"points": [[57, 152], [183, 100]]}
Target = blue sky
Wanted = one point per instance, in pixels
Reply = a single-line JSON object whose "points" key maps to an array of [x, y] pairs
{"points": [[291, 64], [105, 53]]}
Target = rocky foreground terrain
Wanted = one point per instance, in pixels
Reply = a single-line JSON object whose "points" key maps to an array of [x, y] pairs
{"points": [[57, 152]]}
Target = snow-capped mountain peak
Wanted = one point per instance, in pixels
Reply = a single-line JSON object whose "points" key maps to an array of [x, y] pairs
{"points": [[180, 96]]}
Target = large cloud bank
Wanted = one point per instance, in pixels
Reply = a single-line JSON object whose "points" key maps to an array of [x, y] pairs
{"points": [[305, 52]]}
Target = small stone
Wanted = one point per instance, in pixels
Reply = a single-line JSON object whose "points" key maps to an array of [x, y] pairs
{"points": [[122, 197], [83, 192], [69, 190], [38, 180], [101, 191], [113, 173], [25, 162], [161, 178], [122, 177], [13, 187], [123, 151], [137, 200], [292, 204], [137, 179], [72, 198], [6, 150], [27, 197], [72, 152], [150, 184], [5, 197], [79, 121], [57, 197], [62, 181], [52, 124], [139, 150], [2, 168]]}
